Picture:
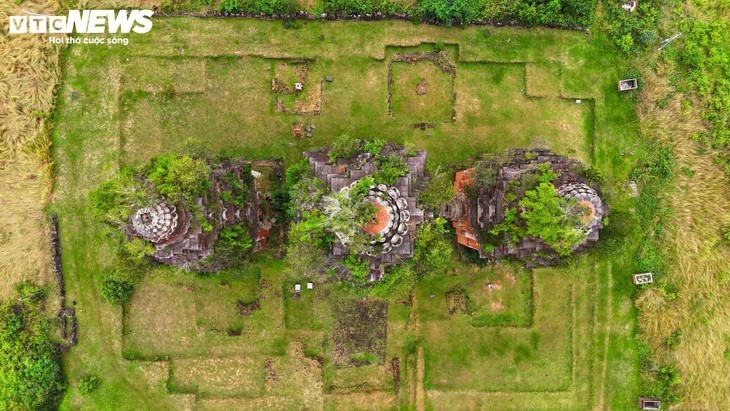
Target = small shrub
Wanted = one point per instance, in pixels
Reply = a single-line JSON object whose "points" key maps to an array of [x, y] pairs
{"points": [[88, 384], [359, 268], [116, 291], [374, 147], [673, 340], [432, 250], [344, 147], [27, 289], [439, 191], [391, 168]]}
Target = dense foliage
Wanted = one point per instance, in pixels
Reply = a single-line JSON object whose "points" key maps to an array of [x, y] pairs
{"points": [[706, 59], [359, 268], [432, 249], [179, 179], [344, 147], [544, 214], [632, 31], [116, 290], [354, 7], [554, 219], [267, 7], [439, 190], [390, 169], [30, 366], [347, 212], [238, 188]]}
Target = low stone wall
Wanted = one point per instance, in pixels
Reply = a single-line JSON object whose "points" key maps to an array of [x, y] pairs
{"points": [[66, 316]]}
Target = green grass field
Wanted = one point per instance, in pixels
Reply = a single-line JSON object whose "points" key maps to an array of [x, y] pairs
{"points": [[559, 338]]}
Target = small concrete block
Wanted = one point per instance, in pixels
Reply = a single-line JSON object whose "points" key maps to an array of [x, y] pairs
{"points": [[297, 287], [310, 286], [329, 78]]}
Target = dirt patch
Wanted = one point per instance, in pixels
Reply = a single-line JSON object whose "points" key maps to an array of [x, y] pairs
{"points": [[422, 86], [457, 301], [497, 306], [361, 327], [247, 308]]}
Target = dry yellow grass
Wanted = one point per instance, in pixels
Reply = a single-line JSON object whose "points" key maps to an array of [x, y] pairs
{"points": [[30, 71], [700, 205]]}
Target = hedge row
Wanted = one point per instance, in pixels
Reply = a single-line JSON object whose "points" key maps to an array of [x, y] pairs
{"points": [[568, 13]]}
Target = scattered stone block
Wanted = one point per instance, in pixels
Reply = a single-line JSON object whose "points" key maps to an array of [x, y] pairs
{"points": [[329, 79]]}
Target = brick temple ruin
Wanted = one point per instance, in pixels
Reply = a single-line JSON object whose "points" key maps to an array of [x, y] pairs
{"points": [[472, 216], [180, 240], [397, 213]]}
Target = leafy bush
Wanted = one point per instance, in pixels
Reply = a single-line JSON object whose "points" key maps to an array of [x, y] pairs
{"points": [[180, 179], [374, 147], [235, 238], [439, 191], [397, 282], [667, 381], [239, 187], [137, 249], [632, 31], [705, 58], [346, 213], [390, 169], [351, 7], [116, 199], [267, 7], [88, 384], [432, 250], [116, 290], [30, 367], [344, 147], [554, 219], [450, 11], [359, 268]]}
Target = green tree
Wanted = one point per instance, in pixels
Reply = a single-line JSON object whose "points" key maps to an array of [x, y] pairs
{"points": [[180, 179], [554, 219]]}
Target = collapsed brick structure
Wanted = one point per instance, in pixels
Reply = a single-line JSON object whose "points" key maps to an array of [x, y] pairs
{"points": [[474, 215], [180, 240], [397, 204]]}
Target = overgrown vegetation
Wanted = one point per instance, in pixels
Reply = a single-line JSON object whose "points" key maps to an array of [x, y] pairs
{"points": [[344, 147], [439, 190], [632, 31], [546, 215], [706, 59], [572, 13], [432, 249], [116, 290], [30, 365]]}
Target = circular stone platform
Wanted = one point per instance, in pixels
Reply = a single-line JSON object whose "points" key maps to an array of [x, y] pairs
{"points": [[155, 224], [588, 198]]}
